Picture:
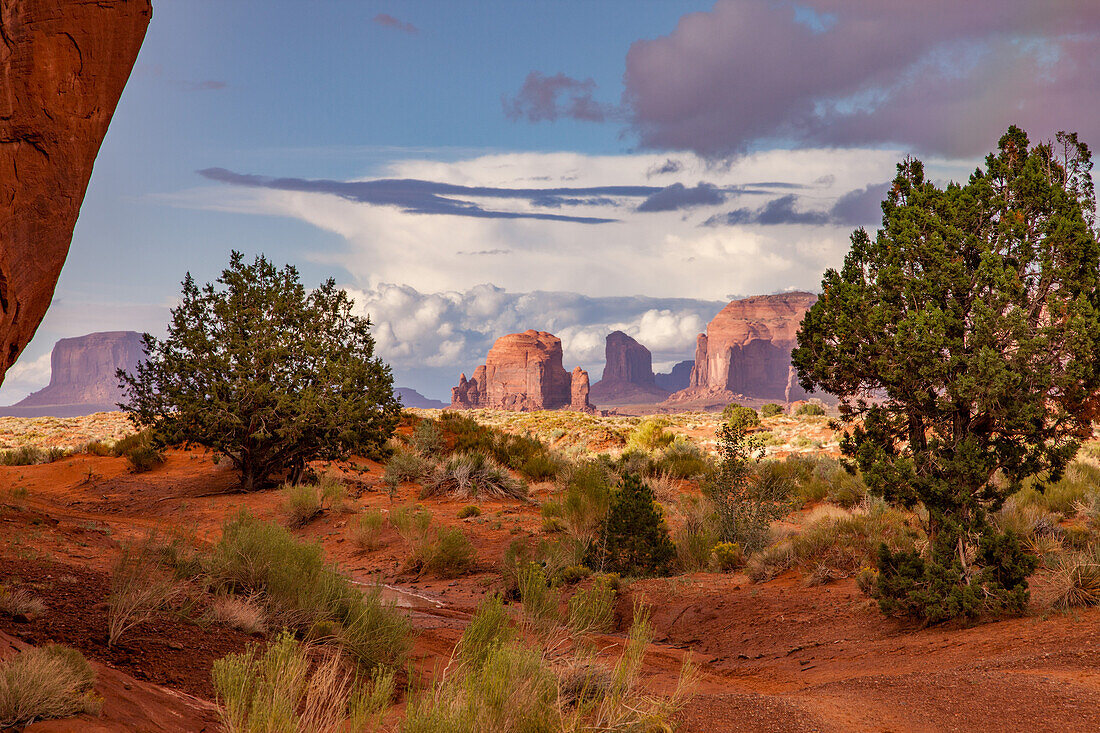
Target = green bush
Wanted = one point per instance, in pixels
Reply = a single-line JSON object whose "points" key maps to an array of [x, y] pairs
{"points": [[262, 559], [696, 536], [405, 466], [46, 683], [446, 553], [682, 460], [739, 416], [468, 511], [771, 410], [365, 530], [427, 438], [936, 588], [650, 435], [524, 454], [728, 556], [592, 609], [141, 449], [745, 501], [809, 409], [634, 539], [28, 455]]}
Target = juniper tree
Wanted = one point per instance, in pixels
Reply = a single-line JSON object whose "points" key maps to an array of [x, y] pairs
{"points": [[972, 320], [265, 373]]}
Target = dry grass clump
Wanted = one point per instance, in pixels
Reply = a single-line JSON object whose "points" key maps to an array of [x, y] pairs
{"points": [[48, 682], [592, 609], [836, 546], [301, 591], [244, 613], [281, 689], [20, 604], [1075, 579], [445, 552], [140, 585], [302, 503], [29, 455], [471, 475], [495, 682], [365, 530]]}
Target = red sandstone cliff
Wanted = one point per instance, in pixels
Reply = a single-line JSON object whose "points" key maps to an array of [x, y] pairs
{"points": [[523, 371], [746, 351], [627, 373], [63, 64]]}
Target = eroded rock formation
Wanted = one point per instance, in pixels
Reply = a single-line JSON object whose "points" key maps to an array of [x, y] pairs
{"points": [[63, 64], [627, 373], [746, 351], [411, 398], [678, 378], [579, 390], [523, 371], [82, 375]]}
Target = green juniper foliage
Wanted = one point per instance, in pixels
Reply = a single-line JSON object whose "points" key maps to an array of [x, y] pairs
{"points": [[973, 316], [634, 539], [266, 374]]}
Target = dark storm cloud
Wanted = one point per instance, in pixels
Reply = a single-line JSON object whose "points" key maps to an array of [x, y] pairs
{"points": [[861, 207], [552, 97], [388, 21], [678, 196], [430, 197], [938, 76]]}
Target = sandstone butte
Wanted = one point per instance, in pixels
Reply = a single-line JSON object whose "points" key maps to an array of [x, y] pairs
{"points": [[63, 65], [82, 375], [746, 351], [523, 371], [627, 373]]}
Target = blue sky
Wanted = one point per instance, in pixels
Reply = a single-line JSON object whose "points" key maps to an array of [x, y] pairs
{"points": [[754, 134]]}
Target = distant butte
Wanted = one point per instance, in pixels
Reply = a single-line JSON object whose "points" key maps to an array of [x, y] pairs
{"points": [[63, 65], [746, 352], [523, 371], [627, 374]]}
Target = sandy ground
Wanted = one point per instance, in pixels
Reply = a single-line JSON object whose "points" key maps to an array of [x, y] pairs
{"points": [[775, 656]]}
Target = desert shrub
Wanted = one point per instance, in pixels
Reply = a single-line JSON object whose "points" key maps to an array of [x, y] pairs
{"points": [[650, 435], [771, 409], [447, 553], [809, 409], [1075, 579], [46, 683], [540, 467], [728, 556], [585, 491], [571, 574], [279, 689], [20, 604], [488, 628], [508, 686], [427, 438], [302, 503], [740, 416], [412, 523], [837, 546], [745, 502], [695, 538], [140, 585], [471, 475], [634, 538], [540, 601], [1031, 522], [365, 529], [682, 459], [141, 449], [469, 511], [300, 590], [524, 454], [404, 466], [26, 455], [592, 609], [663, 486], [932, 589], [244, 613], [97, 448]]}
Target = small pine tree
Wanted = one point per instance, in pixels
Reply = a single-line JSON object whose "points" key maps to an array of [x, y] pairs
{"points": [[634, 539]]}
